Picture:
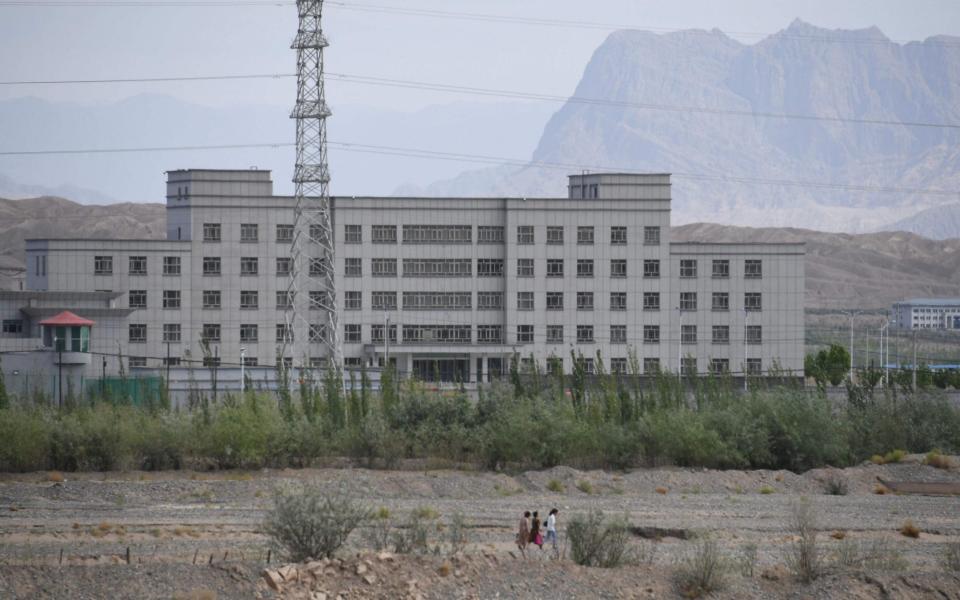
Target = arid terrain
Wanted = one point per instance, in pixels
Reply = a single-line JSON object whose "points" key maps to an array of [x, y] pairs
{"points": [[196, 535]]}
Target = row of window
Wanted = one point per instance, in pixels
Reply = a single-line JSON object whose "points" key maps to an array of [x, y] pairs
{"points": [[752, 268], [487, 234], [211, 332]]}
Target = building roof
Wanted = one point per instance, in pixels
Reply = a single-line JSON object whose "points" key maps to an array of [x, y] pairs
{"points": [[932, 301], [66, 319]]}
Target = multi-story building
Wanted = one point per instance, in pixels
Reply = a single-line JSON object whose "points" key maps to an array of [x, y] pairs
{"points": [[448, 286], [927, 313]]}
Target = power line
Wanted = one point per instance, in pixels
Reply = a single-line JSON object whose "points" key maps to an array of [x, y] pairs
{"points": [[494, 160], [491, 92]]}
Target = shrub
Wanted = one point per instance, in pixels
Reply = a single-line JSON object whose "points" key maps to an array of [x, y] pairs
{"points": [[702, 570], [880, 489], [894, 456], [379, 530], [412, 538], [311, 523], [585, 486], [457, 533], [880, 555], [839, 534], [662, 491], [767, 490], [599, 542], [554, 485], [748, 560], [836, 486], [909, 529], [803, 554], [938, 460], [951, 557]]}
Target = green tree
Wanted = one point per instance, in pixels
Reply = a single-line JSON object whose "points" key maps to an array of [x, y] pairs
{"points": [[829, 365]]}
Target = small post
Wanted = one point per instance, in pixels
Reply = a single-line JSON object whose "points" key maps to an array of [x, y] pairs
{"points": [[61, 556], [195, 553], [128, 555], [210, 562], [269, 553], [225, 555]]}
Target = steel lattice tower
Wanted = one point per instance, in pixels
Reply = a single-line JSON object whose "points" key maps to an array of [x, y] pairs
{"points": [[314, 317]]}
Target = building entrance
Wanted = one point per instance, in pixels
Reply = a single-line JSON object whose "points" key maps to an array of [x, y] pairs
{"points": [[442, 369]]}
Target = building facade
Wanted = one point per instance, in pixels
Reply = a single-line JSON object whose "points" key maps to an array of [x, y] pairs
{"points": [[927, 313], [444, 287]]}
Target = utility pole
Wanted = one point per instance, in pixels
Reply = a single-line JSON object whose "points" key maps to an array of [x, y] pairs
{"points": [[56, 342], [680, 346], [386, 340], [243, 363], [851, 314], [746, 321], [914, 359]]}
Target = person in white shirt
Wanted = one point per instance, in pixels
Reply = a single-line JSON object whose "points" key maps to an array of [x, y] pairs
{"points": [[552, 528]]}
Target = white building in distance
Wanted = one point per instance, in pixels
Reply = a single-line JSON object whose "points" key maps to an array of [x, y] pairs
{"points": [[927, 313]]}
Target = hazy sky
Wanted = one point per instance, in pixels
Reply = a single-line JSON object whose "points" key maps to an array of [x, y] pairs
{"points": [[98, 42]]}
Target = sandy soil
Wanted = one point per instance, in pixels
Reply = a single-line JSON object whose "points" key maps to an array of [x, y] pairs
{"points": [[195, 535]]}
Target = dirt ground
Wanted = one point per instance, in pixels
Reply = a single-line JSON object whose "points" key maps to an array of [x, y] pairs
{"points": [[195, 535]]}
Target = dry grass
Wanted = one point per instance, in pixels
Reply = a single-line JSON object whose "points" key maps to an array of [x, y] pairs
{"points": [[779, 477], [662, 491], [186, 531], [427, 513], [894, 456], [199, 594], [767, 490], [55, 477], [838, 535], [938, 460], [909, 529], [555, 486], [880, 489], [444, 570], [585, 486]]}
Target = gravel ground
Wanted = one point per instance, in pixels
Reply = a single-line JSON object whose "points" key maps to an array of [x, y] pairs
{"points": [[191, 535]]}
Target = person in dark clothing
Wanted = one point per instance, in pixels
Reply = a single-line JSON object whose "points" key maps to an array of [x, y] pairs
{"points": [[535, 536]]}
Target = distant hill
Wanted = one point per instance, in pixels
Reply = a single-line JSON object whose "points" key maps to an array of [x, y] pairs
{"points": [[803, 70], [939, 222]]}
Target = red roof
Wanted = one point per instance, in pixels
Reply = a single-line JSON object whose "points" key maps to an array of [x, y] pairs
{"points": [[66, 318]]}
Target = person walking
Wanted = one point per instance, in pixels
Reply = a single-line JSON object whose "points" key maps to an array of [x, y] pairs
{"points": [[523, 533], [552, 529], [535, 536]]}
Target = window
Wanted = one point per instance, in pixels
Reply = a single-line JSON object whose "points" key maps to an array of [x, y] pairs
{"points": [[754, 334], [588, 366], [384, 234], [721, 269], [618, 236], [249, 300], [319, 300], [618, 334], [352, 300], [618, 366], [383, 267], [554, 363], [688, 301], [437, 234], [524, 267], [688, 268], [138, 265], [210, 332], [554, 300], [284, 233], [249, 333], [284, 266], [524, 334], [554, 334], [249, 233], [489, 300], [352, 234], [524, 235], [618, 301], [319, 266], [137, 298], [437, 300], [211, 265], [171, 298], [754, 366], [555, 267], [584, 300], [437, 334], [618, 268], [437, 267], [721, 301], [489, 267], [651, 236], [524, 300], [211, 232], [384, 301], [651, 268], [249, 266], [317, 233], [584, 267], [285, 334], [317, 333], [753, 269], [250, 361], [376, 334], [211, 298], [721, 334], [651, 301], [585, 236], [688, 334], [285, 299], [103, 265], [171, 265], [172, 361], [651, 334], [12, 326], [555, 236], [719, 366], [651, 366], [352, 267], [688, 366], [351, 333], [137, 361], [489, 234], [753, 301], [489, 334], [171, 332], [137, 333], [584, 334]]}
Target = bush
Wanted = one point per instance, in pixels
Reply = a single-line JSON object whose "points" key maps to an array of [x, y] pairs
{"points": [[909, 529], [379, 530], [935, 459], [311, 523], [702, 570], [836, 486], [413, 537], [803, 553], [555, 486], [951, 557], [585, 486], [457, 535], [599, 542]]}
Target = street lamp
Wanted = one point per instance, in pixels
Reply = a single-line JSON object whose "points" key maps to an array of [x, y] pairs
{"points": [[680, 345], [746, 320], [851, 314], [243, 363]]}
